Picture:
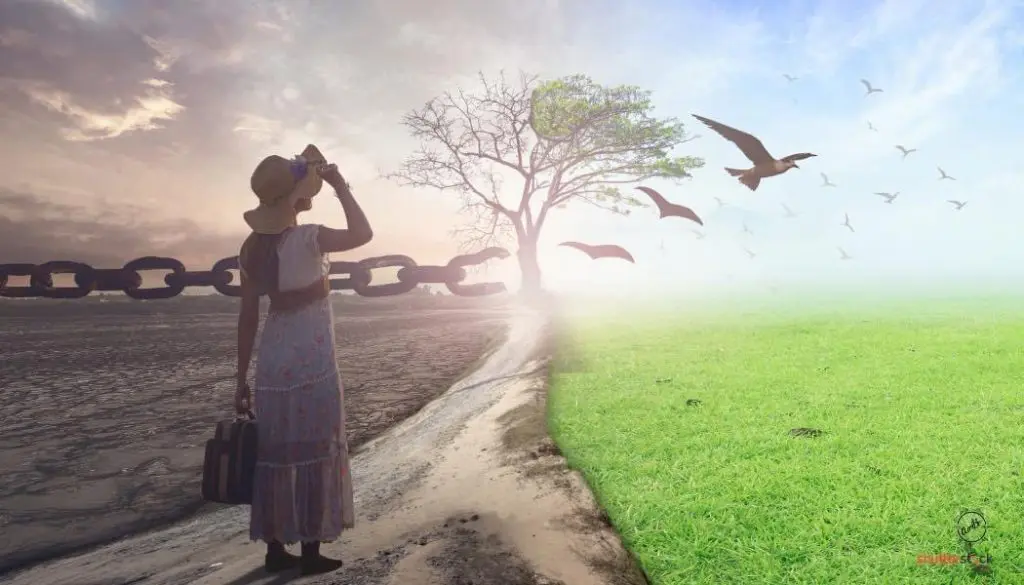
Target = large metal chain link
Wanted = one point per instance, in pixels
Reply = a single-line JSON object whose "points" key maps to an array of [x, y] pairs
{"points": [[127, 279]]}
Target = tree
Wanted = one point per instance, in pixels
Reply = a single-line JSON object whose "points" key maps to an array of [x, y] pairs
{"points": [[563, 142]]}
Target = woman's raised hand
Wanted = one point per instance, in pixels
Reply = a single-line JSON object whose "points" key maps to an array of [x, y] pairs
{"points": [[330, 174]]}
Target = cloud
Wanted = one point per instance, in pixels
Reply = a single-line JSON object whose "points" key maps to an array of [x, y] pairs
{"points": [[34, 229], [144, 113], [84, 9]]}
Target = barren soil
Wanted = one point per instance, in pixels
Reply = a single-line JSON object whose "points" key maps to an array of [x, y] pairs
{"points": [[106, 406]]}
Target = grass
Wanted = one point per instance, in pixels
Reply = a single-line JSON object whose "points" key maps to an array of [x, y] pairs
{"points": [[922, 414]]}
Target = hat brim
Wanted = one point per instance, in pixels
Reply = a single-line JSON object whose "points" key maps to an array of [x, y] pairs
{"points": [[279, 216]]}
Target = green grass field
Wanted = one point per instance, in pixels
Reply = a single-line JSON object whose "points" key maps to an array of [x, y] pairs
{"points": [[923, 414]]}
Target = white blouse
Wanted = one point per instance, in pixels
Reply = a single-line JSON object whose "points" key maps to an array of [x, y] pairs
{"points": [[300, 261]]}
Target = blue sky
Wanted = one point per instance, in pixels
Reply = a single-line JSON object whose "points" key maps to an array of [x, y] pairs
{"points": [[131, 129], [951, 81]]}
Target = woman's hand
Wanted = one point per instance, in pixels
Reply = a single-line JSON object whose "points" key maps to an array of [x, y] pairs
{"points": [[243, 398], [330, 174]]}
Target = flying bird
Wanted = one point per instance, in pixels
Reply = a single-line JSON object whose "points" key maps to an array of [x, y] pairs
{"points": [[846, 222], [765, 165], [603, 251], [959, 204], [667, 209], [789, 212], [943, 175], [826, 182], [843, 255], [789, 77], [749, 253], [720, 202], [746, 229], [870, 88], [661, 246], [889, 197], [872, 127], [904, 150], [699, 234]]}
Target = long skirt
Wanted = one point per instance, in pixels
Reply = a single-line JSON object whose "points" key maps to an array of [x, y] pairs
{"points": [[303, 488]]}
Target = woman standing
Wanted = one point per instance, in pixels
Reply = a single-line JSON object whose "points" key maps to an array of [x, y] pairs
{"points": [[302, 488]]}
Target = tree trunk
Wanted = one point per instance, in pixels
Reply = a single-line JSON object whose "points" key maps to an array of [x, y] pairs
{"points": [[528, 265]]}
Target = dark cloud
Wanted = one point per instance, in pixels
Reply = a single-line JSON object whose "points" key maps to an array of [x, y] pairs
{"points": [[35, 230], [49, 46]]}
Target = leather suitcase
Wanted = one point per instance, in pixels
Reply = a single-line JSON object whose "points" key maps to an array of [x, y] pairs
{"points": [[230, 462]]}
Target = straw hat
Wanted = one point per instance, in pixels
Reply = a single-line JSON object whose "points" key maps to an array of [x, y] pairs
{"points": [[279, 183]]}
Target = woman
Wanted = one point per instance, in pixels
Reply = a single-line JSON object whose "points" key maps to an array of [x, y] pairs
{"points": [[302, 488]]}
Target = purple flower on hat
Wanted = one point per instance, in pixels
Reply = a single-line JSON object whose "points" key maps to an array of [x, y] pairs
{"points": [[299, 166]]}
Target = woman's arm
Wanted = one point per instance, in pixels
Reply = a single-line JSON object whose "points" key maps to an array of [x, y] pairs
{"points": [[358, 233], [248, 324]]}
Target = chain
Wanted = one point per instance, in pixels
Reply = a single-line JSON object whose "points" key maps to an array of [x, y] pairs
{"points": [[127, 279]]}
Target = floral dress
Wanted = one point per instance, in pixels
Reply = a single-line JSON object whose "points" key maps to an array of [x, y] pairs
{"points": [[303, 488]]}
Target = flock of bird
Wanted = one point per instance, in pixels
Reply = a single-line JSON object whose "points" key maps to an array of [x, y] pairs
{"points": [[764, 166]]}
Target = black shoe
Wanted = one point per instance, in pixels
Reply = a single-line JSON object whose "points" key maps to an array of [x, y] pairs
{"points": [[282, 561], [317, 564]]}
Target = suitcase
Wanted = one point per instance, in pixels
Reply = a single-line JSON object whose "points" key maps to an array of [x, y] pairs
{"points": [[230, 462]]}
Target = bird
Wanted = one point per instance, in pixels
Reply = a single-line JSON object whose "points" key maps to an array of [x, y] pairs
{"points": [[699, 234], [789, 212], [826, 182], [602, 251], [749, 253], [846, 222], [943, 175], [720, 202], [904, 150], [870, 89], [765, 165], [661, 246], [667, 209], [959, 204], [889, 197], [746, 229], [843, 255], [872, 127], [789, 77]]}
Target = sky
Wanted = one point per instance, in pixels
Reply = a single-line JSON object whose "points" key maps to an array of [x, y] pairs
{"points": [[131, 127]]}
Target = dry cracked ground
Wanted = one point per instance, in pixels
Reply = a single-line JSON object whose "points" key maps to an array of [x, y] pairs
{"points": [[107, 404]]}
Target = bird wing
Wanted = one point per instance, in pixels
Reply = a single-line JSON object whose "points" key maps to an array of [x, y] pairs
{"points": [[748, 144], [588, 250], [953, 201], [867, 84], [602, 251], [882, 194], [668, 209], [659, 201], [798, 156], [824, 177]]}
